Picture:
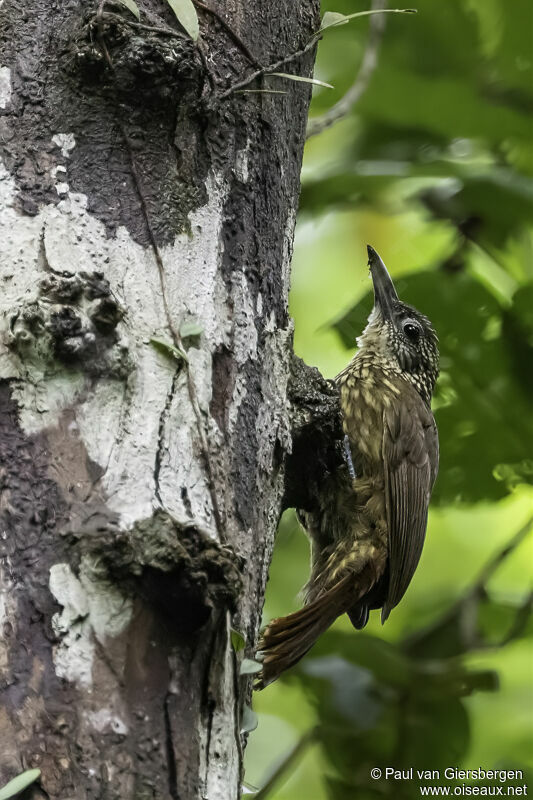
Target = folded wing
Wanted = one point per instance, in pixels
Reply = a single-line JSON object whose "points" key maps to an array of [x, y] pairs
{"points": [[410, 457]]}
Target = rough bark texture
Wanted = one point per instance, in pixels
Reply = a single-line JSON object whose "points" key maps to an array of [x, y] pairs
{"points": [[118, 586]]}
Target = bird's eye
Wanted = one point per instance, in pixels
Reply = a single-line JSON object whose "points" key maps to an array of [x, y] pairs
{"points": [[412, 329]]}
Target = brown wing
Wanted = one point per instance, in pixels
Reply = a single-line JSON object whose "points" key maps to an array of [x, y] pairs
{"points": [[411, 458]]}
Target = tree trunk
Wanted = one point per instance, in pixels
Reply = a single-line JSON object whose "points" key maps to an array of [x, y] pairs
{"points": [[147, 219]]}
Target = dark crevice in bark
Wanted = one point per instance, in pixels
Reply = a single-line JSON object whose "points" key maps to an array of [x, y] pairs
{"points": [[211, 705], [208, 701], [223, 383], [180, 571], [317, 435], [184, 494], [171, 756], [32, 508], [242, 693], [161, 434], [244, 466]]}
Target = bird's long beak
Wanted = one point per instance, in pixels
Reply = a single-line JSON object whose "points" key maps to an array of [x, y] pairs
{"points": [[385, 296]]}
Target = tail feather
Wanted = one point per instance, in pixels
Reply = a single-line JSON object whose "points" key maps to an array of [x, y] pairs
{"points": [[298, 618], [286, 639]]}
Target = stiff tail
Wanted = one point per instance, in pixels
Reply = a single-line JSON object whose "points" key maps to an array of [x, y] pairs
{"points": [[286, 639]]}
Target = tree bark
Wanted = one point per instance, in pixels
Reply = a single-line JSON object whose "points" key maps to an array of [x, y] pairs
{"points": [[145, 348]]}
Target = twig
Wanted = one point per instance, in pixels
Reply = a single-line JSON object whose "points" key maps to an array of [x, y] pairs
{"points": [[286, 764], [271, 67], [193, 396], [495, 562], [520, 620], [358, 87]]}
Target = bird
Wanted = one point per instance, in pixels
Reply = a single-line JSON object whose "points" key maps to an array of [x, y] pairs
{"points": [[368, 522]]}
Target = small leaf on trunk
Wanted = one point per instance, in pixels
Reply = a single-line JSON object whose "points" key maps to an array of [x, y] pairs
{"points": [[249, 788], [301, 78], [237, 640], [249, 667], [186, 15], [19, 783], [249, 720], [190, 329], [169, 350], [332, 19]]}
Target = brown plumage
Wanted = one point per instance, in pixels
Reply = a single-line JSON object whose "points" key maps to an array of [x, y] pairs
{"points": [[368, 525]]}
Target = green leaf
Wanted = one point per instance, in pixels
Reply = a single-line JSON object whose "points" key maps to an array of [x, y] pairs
{"points": [[19, 783], [186, 15], [250, 788], [131, 6], [238, 641], [169, 350], [301, 78], [512, 475], [385, 661], [333, 19], [249, 720], [190, 329], [437, 745], [249, 667]]}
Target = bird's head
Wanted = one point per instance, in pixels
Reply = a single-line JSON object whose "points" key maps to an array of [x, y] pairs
{"points": [[399, 337]]}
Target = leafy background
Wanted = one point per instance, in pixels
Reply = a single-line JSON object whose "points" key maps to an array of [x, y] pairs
{"points": [[434, 168]]}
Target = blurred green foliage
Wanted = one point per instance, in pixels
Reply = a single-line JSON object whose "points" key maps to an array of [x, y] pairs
{"points": [[434, 168]]}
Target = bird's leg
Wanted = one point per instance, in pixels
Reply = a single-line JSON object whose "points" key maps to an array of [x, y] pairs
{"points": [[348, 457]]}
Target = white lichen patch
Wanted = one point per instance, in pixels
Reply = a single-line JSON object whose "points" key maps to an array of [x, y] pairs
{"points": [[70, 594], [5, 86], [59, 174], [65, 141], [272, 417], [244, 330], [128, 444], [219, 755], [62, 188], [8, 620], [192, 277], [179, 459], [110, 611], [107, 721], [240, 170], [288, 242], [74, 655], [91, 608]]}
